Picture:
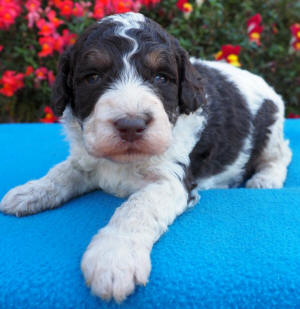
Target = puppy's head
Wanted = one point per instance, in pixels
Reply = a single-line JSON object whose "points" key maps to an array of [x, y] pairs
{"points": [[126, 81]]}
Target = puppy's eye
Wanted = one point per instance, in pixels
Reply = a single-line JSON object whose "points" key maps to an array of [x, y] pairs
{"points": [[93, 78], [160, 79]]}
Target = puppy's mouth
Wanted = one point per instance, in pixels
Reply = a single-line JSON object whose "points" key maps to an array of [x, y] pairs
{"points": [[126, 152]]}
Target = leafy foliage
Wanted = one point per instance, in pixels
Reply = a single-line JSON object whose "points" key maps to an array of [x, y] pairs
{"points": [[202, 32], [217, 23]]}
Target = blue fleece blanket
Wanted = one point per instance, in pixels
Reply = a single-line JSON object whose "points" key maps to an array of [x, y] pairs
{"points": [[237, 248]]}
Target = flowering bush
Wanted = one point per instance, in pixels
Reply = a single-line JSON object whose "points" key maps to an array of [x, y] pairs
{"points": [[261, 36]]}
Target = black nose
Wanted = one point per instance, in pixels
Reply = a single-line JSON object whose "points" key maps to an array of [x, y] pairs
{"points": [[131, 128]]}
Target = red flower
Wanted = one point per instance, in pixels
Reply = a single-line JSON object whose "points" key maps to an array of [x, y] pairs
{"points": [[46, 28], [59, 43], [9, 10], [29, 70], [49, 116], [53, 19], [98, 10], [122, 6], [295, 42], [68, 38], [33, 5], [184, 6], [66, 8], [293, 116], [11, 82], [254, 28], [47, 44], [187, 8], [230, 54], [295, 29], [41, 73], [255, 19], [296, 45], [1, 48]]}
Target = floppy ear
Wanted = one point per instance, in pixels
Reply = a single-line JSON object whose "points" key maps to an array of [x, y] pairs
{"points": [[191, 93], [62, 89]]}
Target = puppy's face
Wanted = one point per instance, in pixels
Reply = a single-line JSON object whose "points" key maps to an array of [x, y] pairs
{"points": [[126, 81]]}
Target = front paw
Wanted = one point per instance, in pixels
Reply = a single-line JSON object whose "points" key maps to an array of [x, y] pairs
{"points": [[21, 200], [114, 264], [261, 181]]}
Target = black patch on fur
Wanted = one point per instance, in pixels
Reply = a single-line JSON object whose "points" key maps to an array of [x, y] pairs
{"points": [[181, 94], [265, 117], [228, 124], [70, 87], [62, 89]]}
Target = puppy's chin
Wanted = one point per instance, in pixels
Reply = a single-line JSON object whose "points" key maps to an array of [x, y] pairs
{"points": [[128, 157]]}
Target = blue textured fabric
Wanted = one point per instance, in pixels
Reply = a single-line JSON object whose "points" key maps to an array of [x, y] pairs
{"points": [[237, 248]]}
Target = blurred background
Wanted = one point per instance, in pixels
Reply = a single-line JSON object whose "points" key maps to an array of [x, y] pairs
{"points": [[260, 36]]}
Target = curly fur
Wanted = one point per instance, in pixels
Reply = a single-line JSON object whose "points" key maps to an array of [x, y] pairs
{"points": [[212, 126]]}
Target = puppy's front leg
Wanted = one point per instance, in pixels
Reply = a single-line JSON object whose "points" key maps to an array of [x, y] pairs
{"points": [[118, 257], [64, 181]]}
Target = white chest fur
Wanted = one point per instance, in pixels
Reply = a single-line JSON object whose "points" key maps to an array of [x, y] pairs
{"points": [[122, 179]]}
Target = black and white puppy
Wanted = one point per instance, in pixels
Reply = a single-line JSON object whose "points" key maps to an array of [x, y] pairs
{"points": [[147, 122]]}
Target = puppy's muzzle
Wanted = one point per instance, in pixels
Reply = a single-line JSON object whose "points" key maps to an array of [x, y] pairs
{"points": [[133, 128]]}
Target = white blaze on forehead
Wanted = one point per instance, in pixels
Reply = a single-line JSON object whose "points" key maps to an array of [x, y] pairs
{"points": [[127, 22], [128, 78], [129, 95]]}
